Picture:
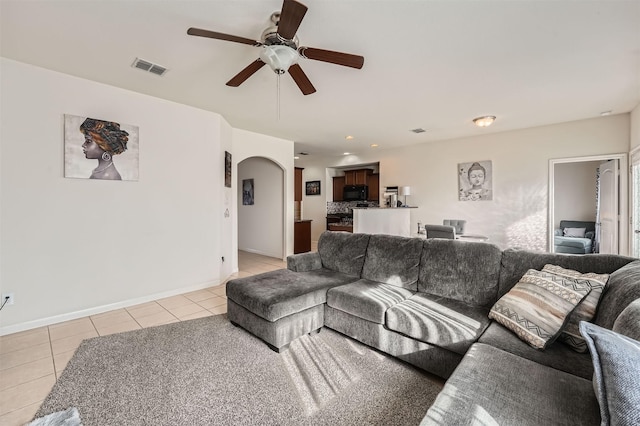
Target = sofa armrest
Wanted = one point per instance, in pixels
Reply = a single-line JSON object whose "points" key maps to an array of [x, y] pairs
{"points": [[303, 262], [558, 232], [590, 234]]}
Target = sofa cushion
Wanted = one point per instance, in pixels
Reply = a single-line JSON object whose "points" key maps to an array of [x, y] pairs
{"points": [[574, 232], [343, 252], [538, 306], [622, 289], [493, 387], [586, 310], [616, 373], [516, 262], [460, 270], [366, 299], [393, 260], [557, 355], [628, 322], [443, 322], [276, 294]]}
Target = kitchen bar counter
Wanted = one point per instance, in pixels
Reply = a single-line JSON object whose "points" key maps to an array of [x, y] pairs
{"points": [[380, 220]]}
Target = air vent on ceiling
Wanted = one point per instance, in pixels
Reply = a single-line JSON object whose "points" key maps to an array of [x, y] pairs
{"points": [[156, 69], [418, 130], [303, 153]]}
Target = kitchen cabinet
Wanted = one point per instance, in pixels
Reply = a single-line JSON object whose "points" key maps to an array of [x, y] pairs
{"points": [[338, 227], [357, 177], [301, 236], [374, 187], [338, 188], [297, 196]]}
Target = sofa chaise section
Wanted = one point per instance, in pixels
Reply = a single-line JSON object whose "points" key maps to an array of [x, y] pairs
{"points": [[282, 305]]}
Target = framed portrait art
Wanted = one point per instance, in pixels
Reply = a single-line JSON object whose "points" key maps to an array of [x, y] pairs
{"points": [[475, 181], [312, 187]]}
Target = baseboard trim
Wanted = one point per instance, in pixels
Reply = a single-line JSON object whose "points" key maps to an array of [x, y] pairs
{"points": [[29, 325]]}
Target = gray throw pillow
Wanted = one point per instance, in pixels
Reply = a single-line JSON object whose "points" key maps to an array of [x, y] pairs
{"points": [[575, 232], [616, 362]]}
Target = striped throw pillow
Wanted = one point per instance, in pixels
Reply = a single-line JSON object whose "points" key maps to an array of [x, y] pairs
{"points": [[538, 306], [586, 310]]}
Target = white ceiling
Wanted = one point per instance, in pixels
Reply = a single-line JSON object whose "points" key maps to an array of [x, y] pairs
{"points": [[429, 64]]}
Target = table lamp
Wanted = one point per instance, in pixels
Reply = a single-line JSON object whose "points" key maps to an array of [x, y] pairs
{"points": [[404, 191]]}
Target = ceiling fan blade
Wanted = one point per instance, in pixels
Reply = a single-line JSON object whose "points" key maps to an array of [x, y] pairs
{"points": [[220, 36], [290, 18], [301, 79], [338, 58], [240, 78]]}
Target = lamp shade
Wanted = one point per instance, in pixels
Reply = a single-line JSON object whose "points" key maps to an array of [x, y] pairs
{"points": [[405, 190]]}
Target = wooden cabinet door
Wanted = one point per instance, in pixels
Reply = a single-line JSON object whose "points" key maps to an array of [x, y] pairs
{"points": [[302, 237], [297, 184], [374, 187], [362, 176], [338, 188], [350, 177]]}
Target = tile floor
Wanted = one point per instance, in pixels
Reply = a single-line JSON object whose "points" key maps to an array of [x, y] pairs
{"points": [[31, 361]]}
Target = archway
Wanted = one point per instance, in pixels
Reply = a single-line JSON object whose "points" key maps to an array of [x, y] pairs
{"points": [[261, 207]]}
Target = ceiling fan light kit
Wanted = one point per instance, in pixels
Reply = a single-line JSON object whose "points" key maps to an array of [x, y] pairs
{"points": [[280, 49], [279, 57]]}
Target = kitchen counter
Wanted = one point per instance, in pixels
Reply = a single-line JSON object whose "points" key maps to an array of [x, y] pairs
{"points": [[382, 220]]}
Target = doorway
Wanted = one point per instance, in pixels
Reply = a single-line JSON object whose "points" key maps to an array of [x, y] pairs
{"points": [[610, 209]]}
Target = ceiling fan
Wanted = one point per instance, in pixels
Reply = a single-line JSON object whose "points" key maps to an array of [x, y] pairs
{"points": [[280, 48]]}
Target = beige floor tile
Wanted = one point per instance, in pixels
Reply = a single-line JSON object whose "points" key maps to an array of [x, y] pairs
{"points": [[146, 309], [20, 416], [222, 309], [182, 311], [120, 327], [212, 302], [201, 314], [61, 360], [220, 290], [70, 328], [23, 356], [26, 372], [156, 319], [71, 343], [20, 396], [196, 296], [174, 302], [110, 318], [24, 339]]}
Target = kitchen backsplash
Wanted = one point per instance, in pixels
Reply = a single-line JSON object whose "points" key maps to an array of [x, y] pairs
{"points": [[334, 207]]}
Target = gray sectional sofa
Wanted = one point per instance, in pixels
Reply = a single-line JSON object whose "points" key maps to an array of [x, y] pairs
{"points": [[427, 303]]}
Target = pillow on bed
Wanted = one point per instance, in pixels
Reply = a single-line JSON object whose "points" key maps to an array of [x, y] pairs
{"points": [[575, 232]]}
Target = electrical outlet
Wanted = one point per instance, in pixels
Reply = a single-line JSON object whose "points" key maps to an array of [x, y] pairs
{"points": [[4, 297]]}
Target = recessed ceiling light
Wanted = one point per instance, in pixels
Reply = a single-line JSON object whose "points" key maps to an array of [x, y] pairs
{"points": [[349, 137], [347, 153], [484, 121], [605, 113], [296, 158], [374, 145]]}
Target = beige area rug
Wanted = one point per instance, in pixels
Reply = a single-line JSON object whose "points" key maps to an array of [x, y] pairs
{"points": [[208, 372]]}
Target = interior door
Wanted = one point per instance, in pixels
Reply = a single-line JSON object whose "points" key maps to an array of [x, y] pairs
{"points": [[608, 207], [635, 201]]}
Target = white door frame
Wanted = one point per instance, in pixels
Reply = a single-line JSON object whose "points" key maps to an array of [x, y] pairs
{"points": [[623, 229]]}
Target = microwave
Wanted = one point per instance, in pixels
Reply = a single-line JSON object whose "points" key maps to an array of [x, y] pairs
{"points": [[355, 193]]}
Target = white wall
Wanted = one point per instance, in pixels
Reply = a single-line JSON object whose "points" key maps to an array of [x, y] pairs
{"points": [[260, 226], [575, 191], [518, 214], [77, 246], [635, 128], [249, 144]]}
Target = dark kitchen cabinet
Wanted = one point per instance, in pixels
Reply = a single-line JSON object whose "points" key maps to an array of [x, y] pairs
{"points": [[297, 196], [338, 188], [357, 177], [374, 187], [302, 236]]}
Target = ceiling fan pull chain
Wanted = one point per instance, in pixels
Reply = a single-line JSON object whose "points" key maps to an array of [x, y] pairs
{"points": [[278, 97]]}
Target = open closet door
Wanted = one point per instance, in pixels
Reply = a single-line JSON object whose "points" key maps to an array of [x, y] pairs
{"points": [[608, 208]]}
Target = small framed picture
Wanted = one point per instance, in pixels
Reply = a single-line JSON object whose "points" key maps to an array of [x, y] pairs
{"points": [[313, 187]]}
